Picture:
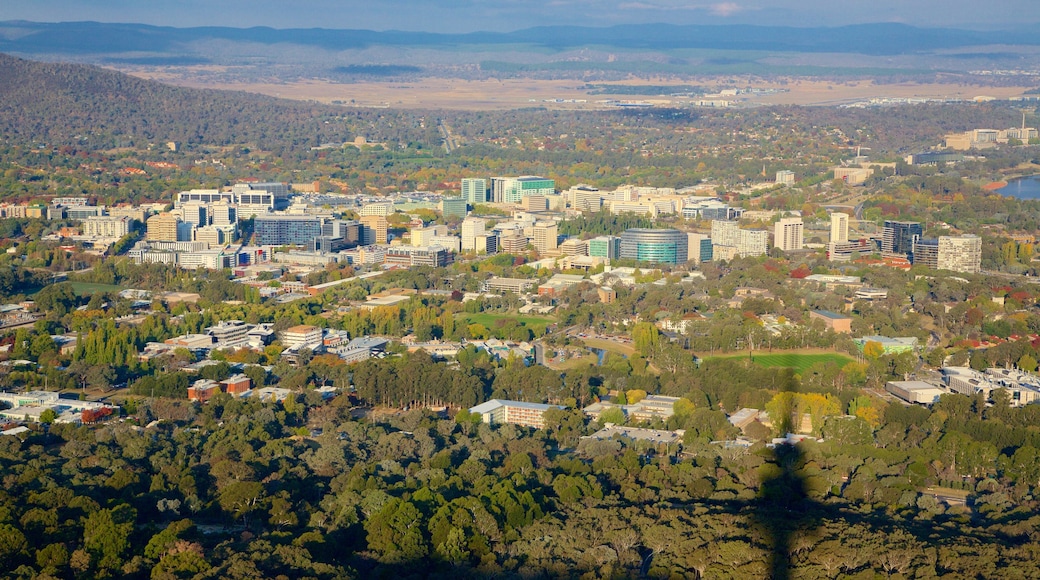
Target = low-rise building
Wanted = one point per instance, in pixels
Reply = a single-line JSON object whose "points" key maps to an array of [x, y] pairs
{"points": [[302, 334], [918, 392], [833, 321], [498, 411]]}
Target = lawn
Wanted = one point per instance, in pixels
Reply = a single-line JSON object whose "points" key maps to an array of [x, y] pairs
{"points": [[489, 319], [799, 362], [88, 288]]}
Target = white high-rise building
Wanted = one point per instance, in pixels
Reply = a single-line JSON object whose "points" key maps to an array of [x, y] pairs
{"points": [[839, 227], [471, 229], [728, 239], [787, 234], [960, 253]]}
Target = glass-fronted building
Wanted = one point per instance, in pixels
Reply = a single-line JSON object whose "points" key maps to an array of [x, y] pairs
{"points": [[658, 246]]}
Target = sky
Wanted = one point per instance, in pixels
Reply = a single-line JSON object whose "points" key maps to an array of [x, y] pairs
{"points": [[504, 15]]}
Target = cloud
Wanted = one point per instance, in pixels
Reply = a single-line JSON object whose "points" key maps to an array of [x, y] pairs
{"points": [[725, 9]]}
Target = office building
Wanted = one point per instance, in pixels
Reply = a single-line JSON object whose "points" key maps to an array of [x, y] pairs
{"points": [[899, 237], [486, 244], [839, 227], [926, 253], [411, 256], [374, 229], [545, 236], [223, 214], [301, 335], [106, 227], [212, 235], [471, 228], [574, 247], [256, 193], [512, 242], [498, 411], [699, 249], [82, 212], [534, 203], [164, 227], [587, 199], [787, 234], [784, 177], [474, 190], [424, 236], [196, 214], [605, 247], [279, 230], [382, 208], [514, 189], [649, 245], [454, 207]]}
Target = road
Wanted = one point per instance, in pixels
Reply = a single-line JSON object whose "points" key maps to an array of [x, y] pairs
{"points": [[447, 137]]}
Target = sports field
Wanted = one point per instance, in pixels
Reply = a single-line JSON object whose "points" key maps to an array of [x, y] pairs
{"points": [[799, 362]]}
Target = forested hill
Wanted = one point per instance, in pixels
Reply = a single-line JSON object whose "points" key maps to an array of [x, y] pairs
{"points": [[55, 104]]}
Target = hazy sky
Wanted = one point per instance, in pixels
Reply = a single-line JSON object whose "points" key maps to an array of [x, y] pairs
{"points": [[472, 15]]}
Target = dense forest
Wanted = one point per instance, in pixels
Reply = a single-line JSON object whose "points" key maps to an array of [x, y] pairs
{"points": [[246, 489]]}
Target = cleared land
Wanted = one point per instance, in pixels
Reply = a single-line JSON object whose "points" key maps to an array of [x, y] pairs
{"points": [[800, 362], [492, 94]]}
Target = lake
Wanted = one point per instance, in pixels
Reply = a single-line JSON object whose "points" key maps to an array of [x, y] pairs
{"points": [[1022, 188]]}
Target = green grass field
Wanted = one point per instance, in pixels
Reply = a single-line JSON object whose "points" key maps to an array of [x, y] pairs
{"points": [[799, 362], [88, 288], [488, 319]]}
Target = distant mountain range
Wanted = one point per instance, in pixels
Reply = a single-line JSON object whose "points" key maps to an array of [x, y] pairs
{"points": [[183, 45]]}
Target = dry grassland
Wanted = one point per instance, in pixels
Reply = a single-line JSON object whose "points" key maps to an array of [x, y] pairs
{"points": [[445, 93]]}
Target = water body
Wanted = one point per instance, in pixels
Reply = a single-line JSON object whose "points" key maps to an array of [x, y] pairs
{"points": [[600, 355], [1022, 188]]}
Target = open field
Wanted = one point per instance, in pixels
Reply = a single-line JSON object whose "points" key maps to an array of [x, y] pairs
{"points": [[512, 93], [88, 288], [800, 362], [610, 346], [488, 319]]}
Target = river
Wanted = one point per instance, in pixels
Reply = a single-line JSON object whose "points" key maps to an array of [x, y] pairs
{"points": [[1022, 188]]}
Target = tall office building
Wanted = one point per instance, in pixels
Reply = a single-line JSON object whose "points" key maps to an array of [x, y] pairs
{"points": [[278, 230], [197, 214], [787, 234], [472, 228], [374, 229], [699, 249], [725, 233], [605, 247], [545, 236], [898, 237], [514, 189], [474, 190], [648, 245], [163, 228], [839, 227], [223, 214], [454, 207]]}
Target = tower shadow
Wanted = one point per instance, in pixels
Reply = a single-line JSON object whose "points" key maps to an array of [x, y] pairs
{"points": [[783, 508]]}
